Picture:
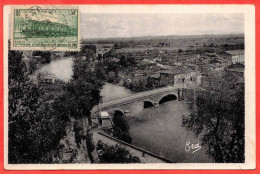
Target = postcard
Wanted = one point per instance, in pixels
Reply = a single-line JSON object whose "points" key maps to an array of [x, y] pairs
{"points": [[129, 87]]}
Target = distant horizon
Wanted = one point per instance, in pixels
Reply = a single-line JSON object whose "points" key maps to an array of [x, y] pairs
{"points": [[127, 25], [155, 36]]}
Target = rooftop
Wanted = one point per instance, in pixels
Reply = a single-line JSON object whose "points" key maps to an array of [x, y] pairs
{"points": [[148, 61], [214, 61], [104, 114], [177, 71], [235, 52], [155, 76], [237, 65]]}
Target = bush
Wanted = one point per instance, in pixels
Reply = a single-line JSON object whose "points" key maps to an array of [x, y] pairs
{"points": [[115, 154], [121, 123]]}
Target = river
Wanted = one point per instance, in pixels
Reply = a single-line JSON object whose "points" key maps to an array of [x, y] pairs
{"points": [[158, 130], [60, 68]]}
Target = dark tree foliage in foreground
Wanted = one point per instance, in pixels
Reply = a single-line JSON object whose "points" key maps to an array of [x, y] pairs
{"points": [[219, 116], [121, 128], [115, 154], [83, 90], [35, 128]]}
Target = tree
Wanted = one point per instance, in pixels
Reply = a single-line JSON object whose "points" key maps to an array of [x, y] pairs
{"points": [[121, 128], [123, 61], [84, 89], [132, 61], [45, 56], [34, 130], [33, 65], [82, 94], [115, 154], [218, 115], [100, 71], [112, 66], [180, 50]]}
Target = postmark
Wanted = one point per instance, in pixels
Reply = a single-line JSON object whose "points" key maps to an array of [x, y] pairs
{"points": [[50, 28]]}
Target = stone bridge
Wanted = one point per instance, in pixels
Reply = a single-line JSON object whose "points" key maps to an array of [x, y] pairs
{"points": [[133, 104]]}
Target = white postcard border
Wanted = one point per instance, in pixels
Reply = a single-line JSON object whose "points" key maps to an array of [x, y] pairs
{"points": [[250, 115]]}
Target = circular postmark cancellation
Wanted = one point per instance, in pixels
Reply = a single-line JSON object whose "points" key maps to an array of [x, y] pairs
{"points": [[51, 28]]}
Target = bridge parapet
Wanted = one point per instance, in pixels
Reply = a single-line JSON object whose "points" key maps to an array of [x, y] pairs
{"points": [[153, 95]]}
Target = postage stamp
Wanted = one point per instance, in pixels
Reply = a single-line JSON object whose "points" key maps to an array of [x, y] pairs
{"points": [[51, 28]]}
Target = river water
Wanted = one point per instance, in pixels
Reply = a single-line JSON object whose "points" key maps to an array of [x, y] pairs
{"points": [[158, 130], [60, 68]]}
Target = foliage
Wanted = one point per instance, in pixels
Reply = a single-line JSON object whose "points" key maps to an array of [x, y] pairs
{"points": [[35, 128], [83, 91], [123, 136], [33, 65], [219, 116], [123, 61], [100, 71], [115, 154], [120, 122], [45, 56], [82, 94], [121, 128], [127, 61], [138, 85], [86, 48], [112, 66]]}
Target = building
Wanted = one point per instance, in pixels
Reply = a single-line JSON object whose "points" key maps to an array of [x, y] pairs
{"points": [[216, 66], [234, 56], [192, 66], [105, 120], [178, 77]]}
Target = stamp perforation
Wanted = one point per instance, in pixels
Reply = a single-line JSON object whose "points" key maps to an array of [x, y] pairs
{"points": [[38, 30]]}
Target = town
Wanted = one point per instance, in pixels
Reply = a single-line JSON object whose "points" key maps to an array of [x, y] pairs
{"points": [[140, 87]]}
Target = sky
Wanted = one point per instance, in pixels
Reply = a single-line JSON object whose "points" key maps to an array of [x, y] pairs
{"points": [[134, 25]]}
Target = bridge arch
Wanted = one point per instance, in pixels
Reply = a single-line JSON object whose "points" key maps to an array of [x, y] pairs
{"points": [[148, 104], [168, 97], [119, 112]]}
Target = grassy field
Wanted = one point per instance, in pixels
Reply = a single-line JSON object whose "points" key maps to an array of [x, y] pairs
{"points": [[142, 49], [183, 43]]}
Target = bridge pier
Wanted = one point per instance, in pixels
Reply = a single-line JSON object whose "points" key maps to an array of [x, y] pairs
{"points": [[156, 104], [180, 94]]}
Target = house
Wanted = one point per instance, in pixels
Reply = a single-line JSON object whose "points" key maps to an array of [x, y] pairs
{"points": [[178, 77], [216, 66], [234, 56], [192, 66]]}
